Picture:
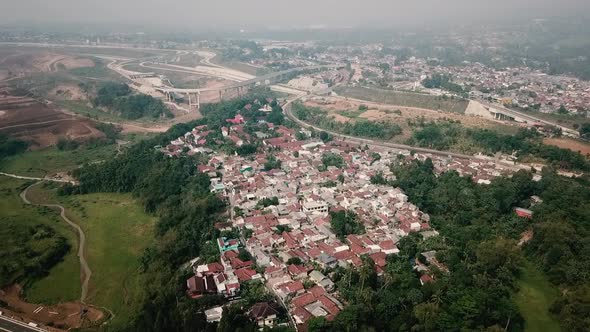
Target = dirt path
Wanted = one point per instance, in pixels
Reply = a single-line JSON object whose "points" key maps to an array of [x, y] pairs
{"points": [[85, 272], [35, 178]]}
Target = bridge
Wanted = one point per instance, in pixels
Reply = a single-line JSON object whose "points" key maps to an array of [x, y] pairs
{"points": [[193, 95], [499, 112]]}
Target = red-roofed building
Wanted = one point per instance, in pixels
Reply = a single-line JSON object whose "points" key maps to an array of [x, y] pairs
{"points": [[294, 287], [238, 119], [244, 274], [301, 315], [425, 279], [297, 271], [303, 300], [317, 291], [524, 213], [379, 258]]}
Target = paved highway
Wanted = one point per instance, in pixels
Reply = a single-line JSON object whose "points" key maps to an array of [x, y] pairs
{"points": [[377, 143], [11, 325], [240, 83]]}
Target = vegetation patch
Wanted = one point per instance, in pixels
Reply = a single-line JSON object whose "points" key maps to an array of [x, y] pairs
{"points": [[534, 299], [118, 97]]}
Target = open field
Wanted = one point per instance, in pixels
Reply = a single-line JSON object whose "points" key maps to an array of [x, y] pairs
{"points": [[59, 291], [50, 160], [404, 99], [534, 298], [117, 232], [569, 143]]}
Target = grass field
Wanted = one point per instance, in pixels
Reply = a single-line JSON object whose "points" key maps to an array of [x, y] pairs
{"points": [[63, 282], [534, 298], [404, 99], [117, 231], [50, 160]]}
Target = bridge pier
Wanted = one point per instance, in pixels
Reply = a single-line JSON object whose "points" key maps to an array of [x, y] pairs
{"points": [[196, 101]]}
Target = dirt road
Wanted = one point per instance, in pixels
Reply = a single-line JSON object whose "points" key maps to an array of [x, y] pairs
{"points": [[85, 272]]}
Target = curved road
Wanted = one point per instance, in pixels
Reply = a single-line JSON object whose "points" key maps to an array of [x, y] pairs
{"points": [[85, 271], [289, 114]]}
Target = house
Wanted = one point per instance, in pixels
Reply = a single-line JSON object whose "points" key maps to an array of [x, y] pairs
{"points": [[297, 271], [523, 213], [322, 280], [226, 244], [238, 119], [214, 314], [327, 261], [264, 314], [424, 279], [201, 285], [314, 206]]}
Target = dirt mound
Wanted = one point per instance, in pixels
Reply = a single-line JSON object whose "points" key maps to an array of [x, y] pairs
{"points": [[65, 316]]}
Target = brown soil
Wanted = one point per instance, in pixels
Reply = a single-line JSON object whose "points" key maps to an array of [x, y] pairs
{"points": [[569, 143], [64, 316], [42, 126]]}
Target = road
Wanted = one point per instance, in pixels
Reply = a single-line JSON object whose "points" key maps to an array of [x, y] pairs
{"points": [[35, 178], [11, 325], [37, 123], [528, 117], [370, 142], [382, 144], [85, 271]]}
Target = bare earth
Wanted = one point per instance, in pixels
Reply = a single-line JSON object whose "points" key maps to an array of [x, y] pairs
{"points": [[64, 316], [25, 118], [569, 143]]}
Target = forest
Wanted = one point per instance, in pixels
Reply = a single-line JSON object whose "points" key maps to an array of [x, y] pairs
{"points": [[119, 98], [11, 146]]}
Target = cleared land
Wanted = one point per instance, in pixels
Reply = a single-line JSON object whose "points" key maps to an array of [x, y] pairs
{"points": [[569, 143], [404, 99], [534, 299], [42, 126]]}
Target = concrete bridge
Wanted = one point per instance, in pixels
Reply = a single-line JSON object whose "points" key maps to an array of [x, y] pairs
{"points": [[499, 112], [242, 87]]}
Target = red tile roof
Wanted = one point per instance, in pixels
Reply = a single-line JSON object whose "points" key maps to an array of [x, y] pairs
{"points": [[303, 300]]}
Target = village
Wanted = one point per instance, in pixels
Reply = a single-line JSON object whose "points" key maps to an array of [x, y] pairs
{"points": [[283, 203]]}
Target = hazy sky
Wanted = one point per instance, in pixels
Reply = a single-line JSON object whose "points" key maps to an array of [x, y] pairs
{"points": [[189, 14]]}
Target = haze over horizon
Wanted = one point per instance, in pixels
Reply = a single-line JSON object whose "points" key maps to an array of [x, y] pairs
{"points": [[230, 14]]}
